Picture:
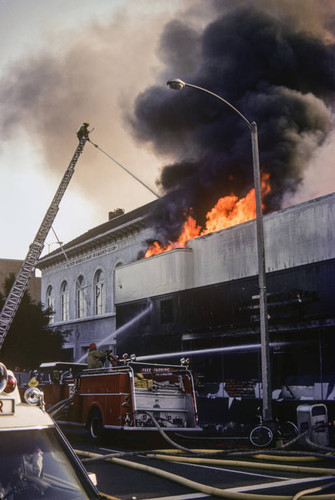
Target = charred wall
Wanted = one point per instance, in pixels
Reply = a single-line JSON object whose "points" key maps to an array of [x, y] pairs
{"points": [[204, 303], [299, 299], [302, 338]]}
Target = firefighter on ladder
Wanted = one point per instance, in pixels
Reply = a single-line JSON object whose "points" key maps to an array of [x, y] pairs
{"points": [[83, 131]]}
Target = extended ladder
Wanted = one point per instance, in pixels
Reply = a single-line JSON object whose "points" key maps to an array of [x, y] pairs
{"points": [[22, 279]]}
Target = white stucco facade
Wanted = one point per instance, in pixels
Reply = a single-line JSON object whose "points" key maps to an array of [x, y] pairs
{"points": [[296, 236], [89, 264]]}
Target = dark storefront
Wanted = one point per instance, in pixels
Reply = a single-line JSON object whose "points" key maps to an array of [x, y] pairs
{"points": [[224, 320]]}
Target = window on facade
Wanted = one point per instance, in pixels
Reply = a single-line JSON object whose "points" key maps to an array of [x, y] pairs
{"points": [[81, 300], [67, 353], [50, 300], [115, 285], [100, 294], [166, 311], [65, 301]]}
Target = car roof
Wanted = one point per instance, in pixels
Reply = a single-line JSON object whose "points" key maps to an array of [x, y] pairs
{"points": [[25, 417]]}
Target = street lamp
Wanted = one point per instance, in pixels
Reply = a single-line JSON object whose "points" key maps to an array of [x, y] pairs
{"points": [[178, 84]]}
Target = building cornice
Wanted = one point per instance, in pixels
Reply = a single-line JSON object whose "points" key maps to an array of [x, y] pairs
{"points": [[73, 251]]}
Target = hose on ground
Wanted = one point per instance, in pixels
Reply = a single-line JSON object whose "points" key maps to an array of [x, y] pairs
{"points": [[317, 446], [203, 488], [239, 451], [272, 455], [303, 493], [292, 457], [143, 452], [314, 445], [277, 454], [163, 434], [241, 463], [189, 450]]}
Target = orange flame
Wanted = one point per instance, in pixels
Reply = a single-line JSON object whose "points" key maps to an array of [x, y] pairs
{"points": [[228, 211]]}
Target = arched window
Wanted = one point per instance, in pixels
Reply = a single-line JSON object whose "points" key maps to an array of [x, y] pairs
{"points": [[50, 300], [81, 301], [65, 301], [99, 292]]}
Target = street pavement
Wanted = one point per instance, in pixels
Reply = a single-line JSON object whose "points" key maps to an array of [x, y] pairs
{"points": [[240, 474]]}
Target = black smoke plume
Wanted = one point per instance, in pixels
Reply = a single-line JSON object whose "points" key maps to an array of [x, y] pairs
{"points": [[274, 70]]}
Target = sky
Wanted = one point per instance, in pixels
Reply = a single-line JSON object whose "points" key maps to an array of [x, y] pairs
{"points": [[63, 63], [66, 62]]}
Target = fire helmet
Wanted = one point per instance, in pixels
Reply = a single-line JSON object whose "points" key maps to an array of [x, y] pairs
{"points": [[92, 346]]}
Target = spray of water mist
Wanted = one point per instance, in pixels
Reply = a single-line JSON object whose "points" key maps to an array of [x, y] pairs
{"points": [[218, 350], [122, 328]]}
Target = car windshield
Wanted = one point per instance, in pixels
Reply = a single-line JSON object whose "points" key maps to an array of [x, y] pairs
{"points": [[37, 464]]}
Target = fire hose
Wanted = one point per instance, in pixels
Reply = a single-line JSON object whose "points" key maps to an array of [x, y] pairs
{"points": [[200, 459], [238, 451], [210, 490], [163, 434], [56, 408]]}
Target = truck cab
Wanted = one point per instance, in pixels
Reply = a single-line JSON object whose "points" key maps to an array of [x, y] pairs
{"points": [[36, 460]]}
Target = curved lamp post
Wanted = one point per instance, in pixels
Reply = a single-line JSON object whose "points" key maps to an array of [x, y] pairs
{"points": [[178, 84]]}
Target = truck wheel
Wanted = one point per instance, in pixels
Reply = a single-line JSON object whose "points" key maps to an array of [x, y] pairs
{"points": [[95, 427]]}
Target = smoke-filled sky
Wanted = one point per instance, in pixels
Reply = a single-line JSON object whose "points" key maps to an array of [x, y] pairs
{"points": [[277, 66], [107, 62]]}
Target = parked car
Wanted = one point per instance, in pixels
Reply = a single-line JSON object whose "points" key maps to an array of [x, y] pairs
{"points": [[36, 460]]}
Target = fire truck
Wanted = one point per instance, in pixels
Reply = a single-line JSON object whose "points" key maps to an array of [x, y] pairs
{"points": [[131, 396], [36, 460]]}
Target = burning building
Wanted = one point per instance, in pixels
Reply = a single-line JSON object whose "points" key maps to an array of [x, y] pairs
{"points": [[204, 294], [204, 303], [201, 301], [186, 266], [272, 64]]}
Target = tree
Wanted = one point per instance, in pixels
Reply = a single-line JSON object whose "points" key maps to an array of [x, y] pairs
{"points": [[30, 341]]}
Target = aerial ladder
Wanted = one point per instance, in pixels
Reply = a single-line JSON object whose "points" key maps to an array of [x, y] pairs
{"points": [[28, 266]]}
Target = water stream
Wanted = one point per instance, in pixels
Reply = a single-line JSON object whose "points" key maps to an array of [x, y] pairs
{"points": [[121, 329], [213, 350]]}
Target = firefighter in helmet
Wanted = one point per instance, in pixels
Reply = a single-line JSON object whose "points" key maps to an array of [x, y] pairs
{"points": [[83, 131], [96, 358]]}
